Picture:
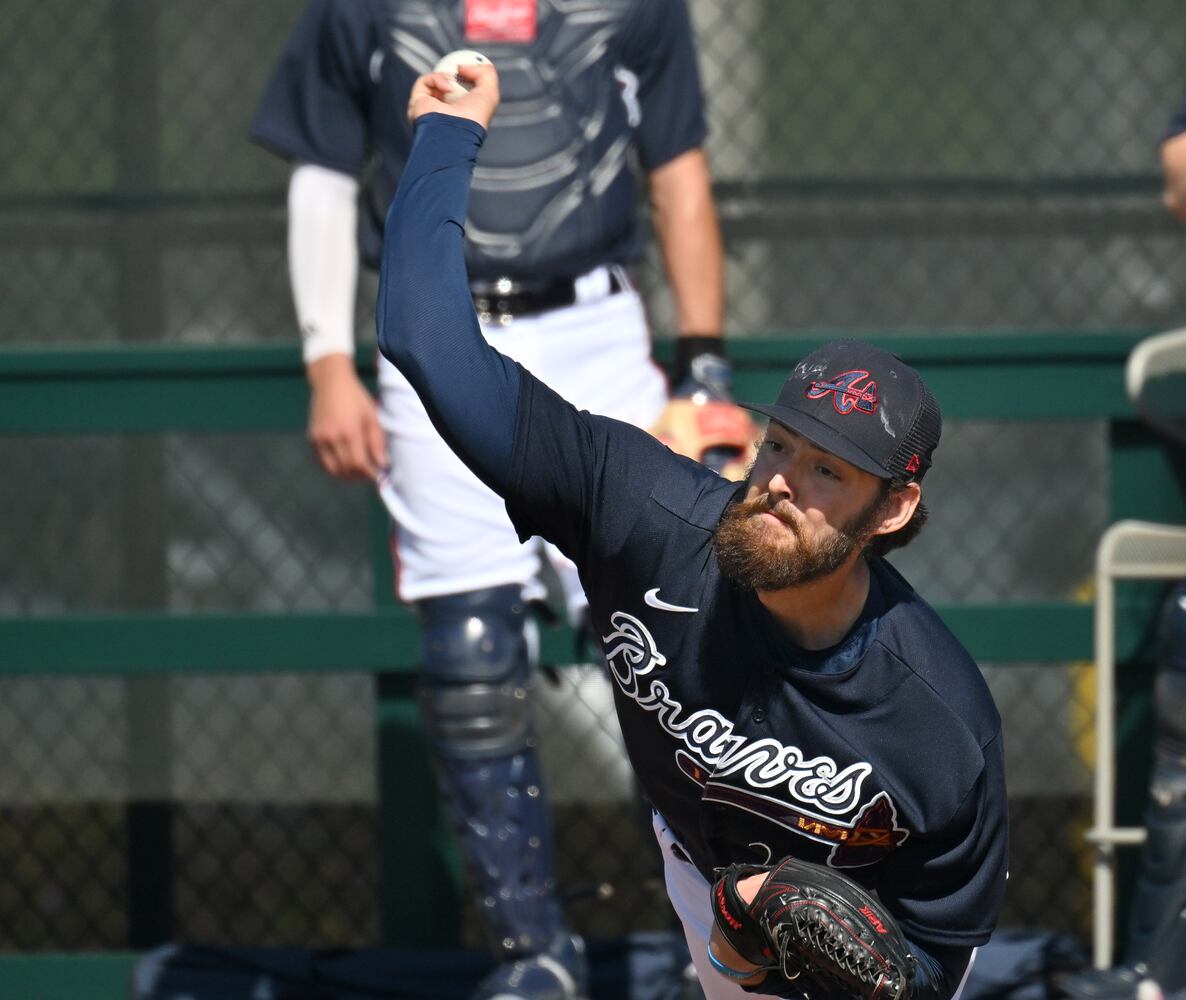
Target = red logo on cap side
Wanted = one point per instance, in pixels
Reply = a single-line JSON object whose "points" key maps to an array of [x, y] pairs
{"points": [[914, 464], [848, 395]]}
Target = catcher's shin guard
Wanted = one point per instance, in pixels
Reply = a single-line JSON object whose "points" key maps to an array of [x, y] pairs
{"points": [[1157, 925], [476, 702]]}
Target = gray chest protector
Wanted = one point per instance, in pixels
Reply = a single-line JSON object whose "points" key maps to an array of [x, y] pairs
{"points": [[553, 192]]}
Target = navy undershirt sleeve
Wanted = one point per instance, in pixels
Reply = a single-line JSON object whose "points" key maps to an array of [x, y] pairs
{"points": [[426, 322]]}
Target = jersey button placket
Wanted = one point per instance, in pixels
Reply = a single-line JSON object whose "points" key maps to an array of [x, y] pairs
{"points": [[758, 714]]}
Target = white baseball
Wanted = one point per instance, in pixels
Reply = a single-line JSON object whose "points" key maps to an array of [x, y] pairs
{"points": [[449, 63]]}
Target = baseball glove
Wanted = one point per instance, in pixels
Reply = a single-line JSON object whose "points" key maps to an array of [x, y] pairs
{"points": [[811, 921], [718, 434]]}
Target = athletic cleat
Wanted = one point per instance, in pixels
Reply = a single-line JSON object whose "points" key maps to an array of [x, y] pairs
{"points": [[559, 973]]}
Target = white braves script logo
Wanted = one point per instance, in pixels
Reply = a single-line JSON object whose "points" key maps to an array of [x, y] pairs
{"points": [[631, 654]]}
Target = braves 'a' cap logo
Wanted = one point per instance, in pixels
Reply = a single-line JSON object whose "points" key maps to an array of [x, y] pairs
{"points": [[848, 393]]}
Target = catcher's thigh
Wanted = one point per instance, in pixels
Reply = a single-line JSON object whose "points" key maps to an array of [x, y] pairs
{"points": [[452, 533]]}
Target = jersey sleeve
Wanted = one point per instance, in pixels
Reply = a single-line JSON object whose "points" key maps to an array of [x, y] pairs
{"points": [[946, 888], [581, 480], [315, 105], [659, 49]]}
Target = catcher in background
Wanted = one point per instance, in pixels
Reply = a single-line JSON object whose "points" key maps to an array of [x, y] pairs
{"points": [[788, 702]]}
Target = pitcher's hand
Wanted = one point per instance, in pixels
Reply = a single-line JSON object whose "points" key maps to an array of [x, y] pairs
{"points": [[479, 105]]}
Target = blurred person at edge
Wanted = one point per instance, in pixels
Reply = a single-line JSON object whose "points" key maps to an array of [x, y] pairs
{"points": [[1156, 944], [1173, 165], [590, 91], [1154, 954]]}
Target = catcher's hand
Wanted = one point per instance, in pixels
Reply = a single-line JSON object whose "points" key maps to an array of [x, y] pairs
{"points": [[812, 922], [720, 435]]}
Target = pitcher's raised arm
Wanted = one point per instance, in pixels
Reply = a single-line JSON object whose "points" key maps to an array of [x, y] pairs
{"points": [[425, 316]]}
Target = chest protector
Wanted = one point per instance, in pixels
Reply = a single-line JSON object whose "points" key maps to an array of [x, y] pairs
{"points": [[553, 191]]}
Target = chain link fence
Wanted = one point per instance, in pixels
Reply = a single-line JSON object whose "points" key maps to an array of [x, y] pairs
{"points": [[915, 165]]}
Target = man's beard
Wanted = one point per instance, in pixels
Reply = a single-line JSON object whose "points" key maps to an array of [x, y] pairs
{"points": [[759, 556]]}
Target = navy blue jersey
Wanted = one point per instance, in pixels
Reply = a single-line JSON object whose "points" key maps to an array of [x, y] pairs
{"points": [[881, 756], [554, 194]]}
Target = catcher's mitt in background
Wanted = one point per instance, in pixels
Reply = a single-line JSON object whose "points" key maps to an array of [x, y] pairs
{"points": [[702, 421], [813, 926], [720, 435]]}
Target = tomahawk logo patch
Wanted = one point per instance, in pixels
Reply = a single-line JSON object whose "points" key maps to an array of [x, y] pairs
{"points": [[812, 795], [863, 840], [852, 390]]}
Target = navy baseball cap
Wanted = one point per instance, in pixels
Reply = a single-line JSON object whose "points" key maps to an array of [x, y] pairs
{"points": [[864, 405]]}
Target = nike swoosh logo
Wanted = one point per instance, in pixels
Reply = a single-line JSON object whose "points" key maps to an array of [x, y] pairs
{"points": [[651, 597]]}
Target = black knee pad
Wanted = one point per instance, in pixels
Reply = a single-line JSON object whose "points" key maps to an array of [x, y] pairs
{"points": [[475, 673]]}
